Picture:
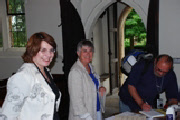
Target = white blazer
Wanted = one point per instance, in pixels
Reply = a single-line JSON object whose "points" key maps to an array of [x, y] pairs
{"points": [[28, 96], [82, 92]]}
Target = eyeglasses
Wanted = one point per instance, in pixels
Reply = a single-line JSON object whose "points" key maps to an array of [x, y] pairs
{"points": [[160, 70], [44, 51]]}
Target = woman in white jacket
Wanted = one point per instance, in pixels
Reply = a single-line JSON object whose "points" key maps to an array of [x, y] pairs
{"points": [[83, 85], [31, 92]]}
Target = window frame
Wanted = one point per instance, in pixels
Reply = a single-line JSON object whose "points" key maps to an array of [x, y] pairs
{"points": [[10, 31], [6, 51]]}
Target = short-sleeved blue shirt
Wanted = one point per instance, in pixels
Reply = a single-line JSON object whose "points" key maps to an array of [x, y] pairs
{"points": [[148, 85]]}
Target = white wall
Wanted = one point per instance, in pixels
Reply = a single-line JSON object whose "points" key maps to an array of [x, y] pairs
{"points": [[44, 15], [90, 11], [105, 58], [169, 30], [9, 60], [41, 15], [98, 51], [100, 41]]}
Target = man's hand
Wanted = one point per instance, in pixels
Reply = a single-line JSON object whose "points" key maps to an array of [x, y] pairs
{"points": [[145, 107], [172, 101], [133, 92]]}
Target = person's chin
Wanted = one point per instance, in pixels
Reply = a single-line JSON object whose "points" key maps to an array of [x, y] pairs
{"points": [[85, 61], [46, 63], [89, 60], [159, 75]]}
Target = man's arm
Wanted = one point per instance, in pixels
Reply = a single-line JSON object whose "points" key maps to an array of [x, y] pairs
{"points": [[171, 90], [133, 92], [172, 101]]}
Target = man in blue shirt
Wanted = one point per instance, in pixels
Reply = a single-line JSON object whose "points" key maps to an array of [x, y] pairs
{"points": [[140, 90]]}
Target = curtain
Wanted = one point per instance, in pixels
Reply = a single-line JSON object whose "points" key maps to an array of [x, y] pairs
{"points": [[152, 45], [72, 33]]}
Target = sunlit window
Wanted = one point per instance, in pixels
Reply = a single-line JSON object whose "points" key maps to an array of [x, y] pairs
{"points": [[17, 26]]}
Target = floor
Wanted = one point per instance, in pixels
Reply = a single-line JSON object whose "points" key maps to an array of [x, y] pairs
{"points": [[112, 104]]}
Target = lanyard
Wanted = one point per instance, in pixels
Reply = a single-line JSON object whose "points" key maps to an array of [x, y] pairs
{"points": [[159, 86]]}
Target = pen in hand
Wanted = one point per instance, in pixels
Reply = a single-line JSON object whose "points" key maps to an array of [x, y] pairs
{"points": [[146, 107]]}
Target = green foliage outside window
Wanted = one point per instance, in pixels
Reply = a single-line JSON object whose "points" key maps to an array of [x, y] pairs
{"points": [[15, 6], [135, 29], [18, 32], [17, 26]]}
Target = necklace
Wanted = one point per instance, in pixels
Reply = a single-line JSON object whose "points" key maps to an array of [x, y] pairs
{"points": [[159, 86]]}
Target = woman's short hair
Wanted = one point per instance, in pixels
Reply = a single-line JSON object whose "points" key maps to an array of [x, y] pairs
{"points": [[34, 45], [85, 43]]}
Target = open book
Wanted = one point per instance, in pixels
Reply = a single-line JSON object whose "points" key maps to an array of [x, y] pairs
{"points": [[152, 113]]}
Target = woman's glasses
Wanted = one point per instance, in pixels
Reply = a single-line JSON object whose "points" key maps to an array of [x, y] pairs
{"points": [[44, 51]]}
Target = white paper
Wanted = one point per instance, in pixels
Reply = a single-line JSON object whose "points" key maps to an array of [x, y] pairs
{"points": [[152, 113], [125, 116]]}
